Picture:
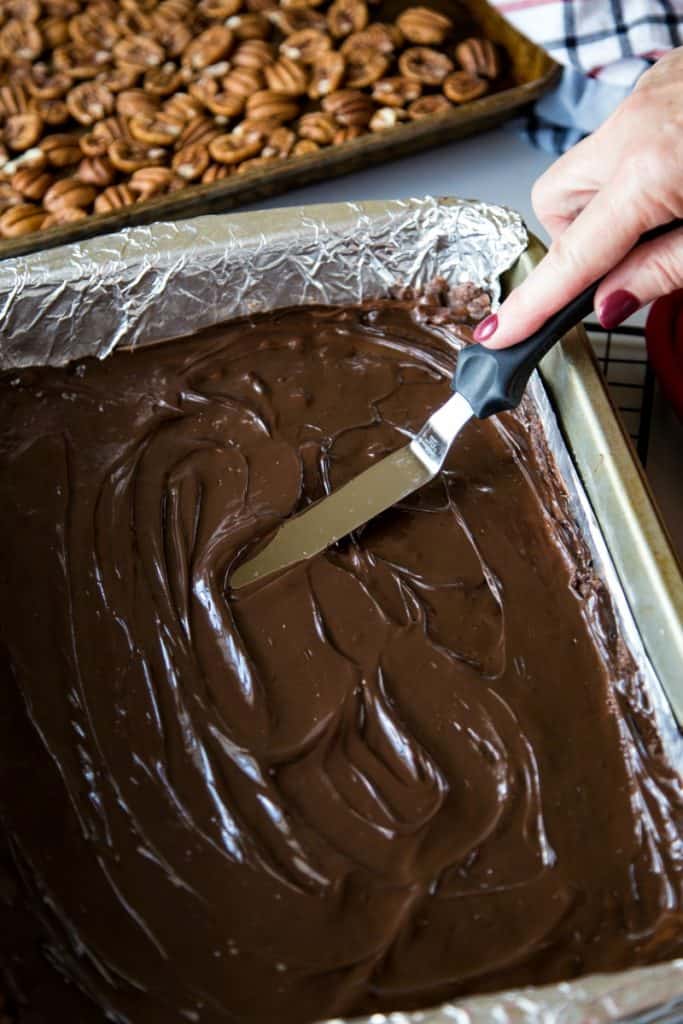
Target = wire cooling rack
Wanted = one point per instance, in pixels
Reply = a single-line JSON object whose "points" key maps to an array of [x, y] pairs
{"points": [[622, 357]]}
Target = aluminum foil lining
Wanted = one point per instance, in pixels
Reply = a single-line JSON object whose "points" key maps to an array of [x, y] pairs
{"points": [[147, 284]]}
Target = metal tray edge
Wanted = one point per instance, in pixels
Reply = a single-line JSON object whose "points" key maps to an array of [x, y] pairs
{"points": [[624, 505]]}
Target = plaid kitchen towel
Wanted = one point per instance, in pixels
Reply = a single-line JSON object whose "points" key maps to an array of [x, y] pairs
{"points": [[604, 45]]}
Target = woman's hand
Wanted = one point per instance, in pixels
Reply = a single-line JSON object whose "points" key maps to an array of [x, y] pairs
{"points": [[596, 201]]}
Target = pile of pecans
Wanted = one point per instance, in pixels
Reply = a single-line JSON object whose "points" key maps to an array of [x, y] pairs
{"points": [[105, 103]]}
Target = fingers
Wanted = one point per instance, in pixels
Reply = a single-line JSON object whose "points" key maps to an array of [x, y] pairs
{"points": [[592, 245], [651, 270], [562, 192]]}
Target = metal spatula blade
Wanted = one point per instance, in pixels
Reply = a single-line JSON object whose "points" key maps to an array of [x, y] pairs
{"points": [[363, 498]]}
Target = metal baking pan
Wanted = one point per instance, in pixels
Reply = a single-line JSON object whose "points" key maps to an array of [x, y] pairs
{"points": [[530, 72], [160, 282]]}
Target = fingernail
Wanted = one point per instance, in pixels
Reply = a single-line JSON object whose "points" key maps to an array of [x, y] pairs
{"points": [[484, 330], [616, 308]]}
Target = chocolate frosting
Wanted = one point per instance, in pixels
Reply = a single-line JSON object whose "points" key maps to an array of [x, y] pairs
{"points": [[417, 766]]}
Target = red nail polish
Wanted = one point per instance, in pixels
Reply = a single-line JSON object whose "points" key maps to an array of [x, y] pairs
{"points": [[616, 308], [484, 330]]}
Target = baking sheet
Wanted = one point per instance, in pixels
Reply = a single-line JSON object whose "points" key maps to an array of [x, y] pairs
{"points": [[150, 283], [531, 72]]}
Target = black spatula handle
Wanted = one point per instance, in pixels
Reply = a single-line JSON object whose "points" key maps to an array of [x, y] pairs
{"points": [[493, 380]]}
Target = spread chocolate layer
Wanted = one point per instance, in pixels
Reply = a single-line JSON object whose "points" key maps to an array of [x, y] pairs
{"points": [[417, 766]]}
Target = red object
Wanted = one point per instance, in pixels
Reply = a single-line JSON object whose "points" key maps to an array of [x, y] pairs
{"points": [[664, 335]]}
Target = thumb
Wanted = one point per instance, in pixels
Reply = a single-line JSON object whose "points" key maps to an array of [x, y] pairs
{"points": [[651, 270]]}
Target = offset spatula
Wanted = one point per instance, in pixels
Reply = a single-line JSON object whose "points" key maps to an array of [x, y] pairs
{"points": [[485, 382]]}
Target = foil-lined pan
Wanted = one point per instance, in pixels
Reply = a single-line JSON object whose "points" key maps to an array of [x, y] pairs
{"points": [[147, 284]]}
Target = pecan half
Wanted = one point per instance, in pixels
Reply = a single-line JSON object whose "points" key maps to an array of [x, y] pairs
{"points": [[308, 45], [93, 29], [79, 61], [199, 131], [352, 131], [182, 107], [219, 8], [153, 131], [216, 172], [164, 80], [296, 19], [318, 127], [396, 91], [32, 182], [252, 128], [232, 149], [61, 8], [13, 99], [243, 82], [191, 161], [347, 16], [23, 10], [55, 32], [139, 52], [132, 102], [21, 220], [424, 64], [304, 147], [252, 25], [264, 6], [350, 107], [64, 215], [461, 86], [68, 192], [225, 104], [364, 65], [267, 103], [427, 106], [253, 53], [117, 79], [255, 163], [279, 143], [386, 117], [46, 85], [96, 170], [479, 57], [20, 40], [382, 37], [174, 10], [174, 36], [23, 130], [53, 112], [114, 197], [287, 76], [208, 47], [89, 102], [8, 196], [327, 74], [155, 181], [424, 25], [130, 156]]}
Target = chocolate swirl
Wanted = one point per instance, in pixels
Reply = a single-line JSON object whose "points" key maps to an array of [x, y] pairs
{"points": [[401, 771]]}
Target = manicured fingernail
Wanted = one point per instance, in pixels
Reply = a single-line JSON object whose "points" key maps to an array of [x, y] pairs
{"points": [[484, 330], [616, 308]]}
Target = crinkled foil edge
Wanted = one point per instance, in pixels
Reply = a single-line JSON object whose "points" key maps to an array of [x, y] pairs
{"points": [[147, 284]]}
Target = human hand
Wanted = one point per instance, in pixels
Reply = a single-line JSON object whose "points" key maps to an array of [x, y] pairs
{"points": [[596, 201]]}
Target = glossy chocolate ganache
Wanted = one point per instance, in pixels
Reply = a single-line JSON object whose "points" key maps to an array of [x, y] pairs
{"points": [[418, 766]]}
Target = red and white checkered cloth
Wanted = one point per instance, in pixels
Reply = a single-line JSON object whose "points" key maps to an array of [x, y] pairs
{"points": [[604, 45]]}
